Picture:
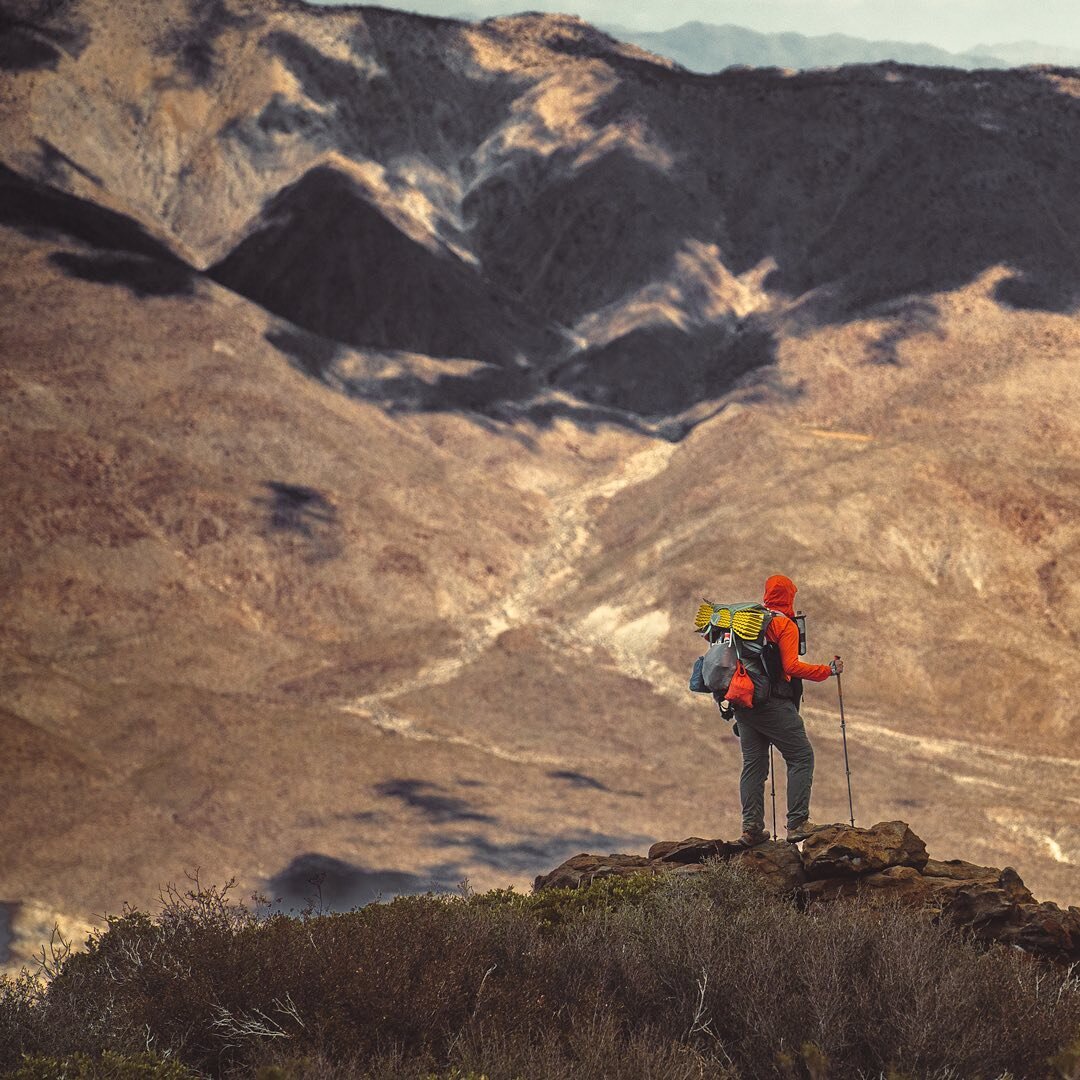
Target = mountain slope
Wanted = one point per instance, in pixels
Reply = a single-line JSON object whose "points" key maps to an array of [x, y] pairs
{"points": [[329, 261], [523, 152], [381, 393]]}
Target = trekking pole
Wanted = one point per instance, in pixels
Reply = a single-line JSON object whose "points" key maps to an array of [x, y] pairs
{"points": [[843, 735], [772, 777]]}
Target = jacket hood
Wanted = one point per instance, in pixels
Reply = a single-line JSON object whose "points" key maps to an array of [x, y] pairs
{"points": [[780, 595]]}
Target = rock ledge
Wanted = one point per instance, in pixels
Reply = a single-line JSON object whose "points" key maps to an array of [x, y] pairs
{"points": [[885, 862]]}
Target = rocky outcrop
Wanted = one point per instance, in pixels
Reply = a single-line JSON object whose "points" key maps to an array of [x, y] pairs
{"points": [[885, 863], [585, 869], [844, 851], [777, 864]]}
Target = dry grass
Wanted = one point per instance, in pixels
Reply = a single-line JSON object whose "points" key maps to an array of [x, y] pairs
{"points": [[643, 977]]}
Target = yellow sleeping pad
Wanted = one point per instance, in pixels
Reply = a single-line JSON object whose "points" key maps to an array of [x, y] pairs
{"points": [[747, 620]]}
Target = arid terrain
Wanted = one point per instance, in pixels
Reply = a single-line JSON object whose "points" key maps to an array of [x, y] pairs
{"points": [[380, 395]]}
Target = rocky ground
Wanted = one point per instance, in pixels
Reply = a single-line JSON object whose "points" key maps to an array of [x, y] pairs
{"points": [[884, 863]]}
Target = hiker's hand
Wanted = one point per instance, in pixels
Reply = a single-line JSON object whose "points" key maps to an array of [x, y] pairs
{"points": [[836, 666]]}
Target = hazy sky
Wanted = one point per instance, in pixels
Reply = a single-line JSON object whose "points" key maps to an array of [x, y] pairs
{"points": [[951, 24]]}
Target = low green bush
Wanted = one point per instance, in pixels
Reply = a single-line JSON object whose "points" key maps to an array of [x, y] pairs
{"points": [[106, 1066], [661, 976]]}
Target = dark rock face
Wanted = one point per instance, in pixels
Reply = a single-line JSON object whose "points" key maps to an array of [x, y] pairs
{"points": [[886, 863], [843, 851], [1046, 930]]}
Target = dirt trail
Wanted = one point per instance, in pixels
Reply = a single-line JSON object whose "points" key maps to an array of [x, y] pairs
{"points": [[548, 573]]}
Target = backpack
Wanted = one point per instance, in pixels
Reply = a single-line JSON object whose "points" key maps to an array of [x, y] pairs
{"points": [[735, 667]]}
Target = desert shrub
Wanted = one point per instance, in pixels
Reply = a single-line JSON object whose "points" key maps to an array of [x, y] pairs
{"points": [[107, 1066], [703, 975], [21, 1015], [553, 908]]}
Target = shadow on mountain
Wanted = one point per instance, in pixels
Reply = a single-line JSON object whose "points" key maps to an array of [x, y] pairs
{"points": [[430, 800], [662, 371], [24, 48], [580, 780], [40, 211], [329, 261], [39, 40], [144, 276], [55, 164], [907, 318], [305, 515], [486, 394], [583, 780], [312, 354], [569, 241], [482, 391], [925, 180], [1039, 292], [402, 94], [193, 45], [325, 883]]}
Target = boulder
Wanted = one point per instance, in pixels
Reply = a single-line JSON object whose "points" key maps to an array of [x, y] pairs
{"points": [[695, 850], [843, 851], [776, 863], [989, 909], [1047, 931], [584, 869], [958, 870], [903, 882], [1005, 911], [663, 847]]}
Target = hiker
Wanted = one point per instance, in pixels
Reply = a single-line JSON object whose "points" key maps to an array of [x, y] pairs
{"points": [[776, 721]]}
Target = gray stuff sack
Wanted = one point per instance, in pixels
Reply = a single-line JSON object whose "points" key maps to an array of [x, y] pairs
{"points": [[718, 665]]}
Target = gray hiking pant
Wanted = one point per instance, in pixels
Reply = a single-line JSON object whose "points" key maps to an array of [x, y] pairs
{"points": [[777, 722]]}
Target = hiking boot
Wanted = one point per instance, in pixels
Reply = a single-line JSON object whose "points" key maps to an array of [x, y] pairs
{"points": [[753, 837], [800, 832]]}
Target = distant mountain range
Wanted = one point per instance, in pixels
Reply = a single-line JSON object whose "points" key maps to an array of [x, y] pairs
{"points": [[1020, 53], [706, 47]]}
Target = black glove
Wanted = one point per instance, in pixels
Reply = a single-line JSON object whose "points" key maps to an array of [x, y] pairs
{"points": [[727, 710]]}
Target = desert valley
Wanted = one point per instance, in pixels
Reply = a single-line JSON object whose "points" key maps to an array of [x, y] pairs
{"points": [[382, 393]]}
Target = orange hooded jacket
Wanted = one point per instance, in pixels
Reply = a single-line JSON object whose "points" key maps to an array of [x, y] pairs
{"points": [[780, 597]]}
